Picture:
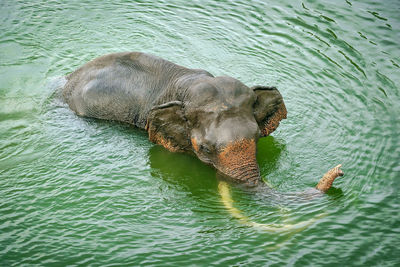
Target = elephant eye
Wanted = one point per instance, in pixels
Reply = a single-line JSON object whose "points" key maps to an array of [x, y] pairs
{"points": [[255, 102], [205, 148]]}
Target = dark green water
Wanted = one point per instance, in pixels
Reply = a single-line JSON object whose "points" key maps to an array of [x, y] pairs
{"points": [[77, 191]]}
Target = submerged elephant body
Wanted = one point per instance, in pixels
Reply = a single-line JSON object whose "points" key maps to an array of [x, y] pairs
{"points": [[219, 119]]}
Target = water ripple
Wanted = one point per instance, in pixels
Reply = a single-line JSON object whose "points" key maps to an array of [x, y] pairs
{"points": [[84, 192]]}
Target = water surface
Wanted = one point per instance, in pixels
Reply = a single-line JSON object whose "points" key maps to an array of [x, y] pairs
{"points": [[76, 191]]}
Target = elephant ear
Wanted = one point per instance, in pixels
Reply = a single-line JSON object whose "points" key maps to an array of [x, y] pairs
{"points": [[269, 108], [167, 126]]}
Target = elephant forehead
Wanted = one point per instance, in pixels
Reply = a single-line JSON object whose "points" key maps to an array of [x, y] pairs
{"points": [[221, 89], [217, 99]]}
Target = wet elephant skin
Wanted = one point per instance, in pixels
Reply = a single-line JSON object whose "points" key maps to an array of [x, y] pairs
{"points": [[219, 119]]}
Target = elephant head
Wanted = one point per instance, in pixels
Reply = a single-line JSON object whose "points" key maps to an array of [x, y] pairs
{"points": [[220, 120]]}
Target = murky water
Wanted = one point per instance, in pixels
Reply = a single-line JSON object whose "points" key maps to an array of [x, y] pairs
{"points": [[77, 191]]}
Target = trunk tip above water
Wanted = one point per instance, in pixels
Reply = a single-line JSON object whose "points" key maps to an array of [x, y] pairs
{"points": [[327, 180]]}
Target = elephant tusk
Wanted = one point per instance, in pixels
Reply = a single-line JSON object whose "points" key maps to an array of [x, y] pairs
{"points": [[223, 189]]}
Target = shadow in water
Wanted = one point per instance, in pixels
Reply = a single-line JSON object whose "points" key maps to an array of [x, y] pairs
{"points": [[269, 150], [182, 170], [189, 172], [335, 193]]}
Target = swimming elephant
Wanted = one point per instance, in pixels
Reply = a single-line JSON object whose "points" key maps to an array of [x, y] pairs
{"points": [[218, 119]]}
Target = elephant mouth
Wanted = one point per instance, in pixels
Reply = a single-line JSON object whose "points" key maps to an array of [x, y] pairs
{"points": [[270, 124]]}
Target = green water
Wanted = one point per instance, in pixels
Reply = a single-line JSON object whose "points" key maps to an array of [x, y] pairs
{"points": [[77, 191]]}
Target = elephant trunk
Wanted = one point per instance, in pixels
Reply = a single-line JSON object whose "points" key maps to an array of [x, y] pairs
{"points": [[237, 160]]}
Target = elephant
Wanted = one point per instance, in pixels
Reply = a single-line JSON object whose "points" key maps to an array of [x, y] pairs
{"points": [[218, 119]]}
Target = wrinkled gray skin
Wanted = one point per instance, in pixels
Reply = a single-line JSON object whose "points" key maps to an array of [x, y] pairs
{"points": [[219, 119]]}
